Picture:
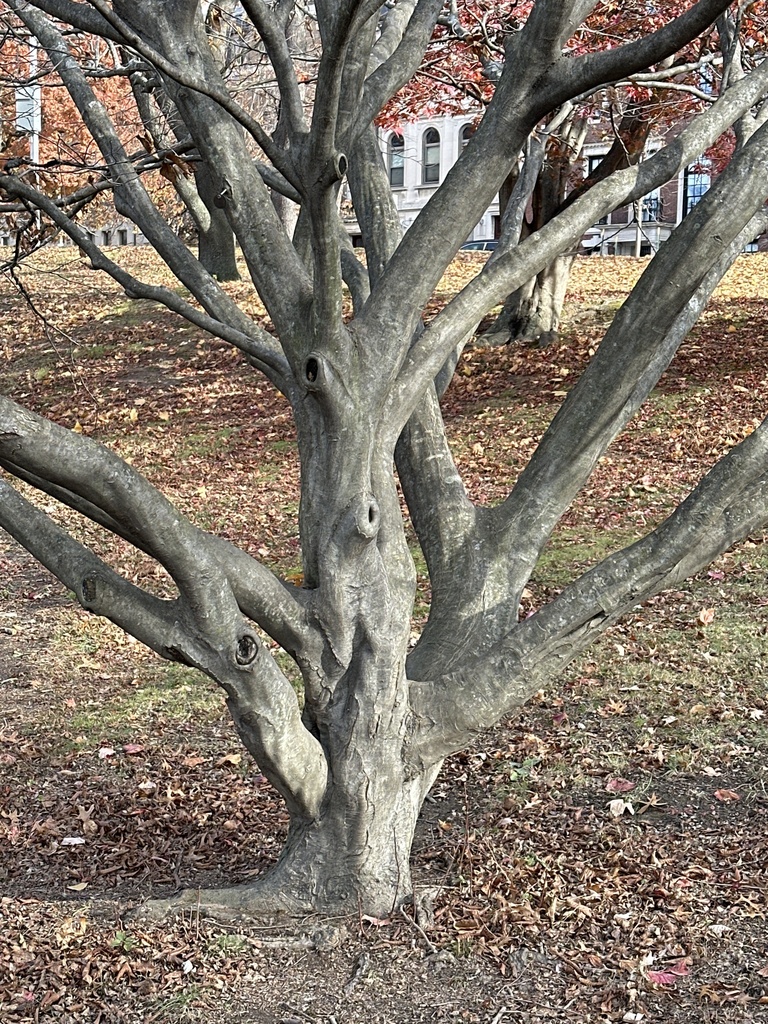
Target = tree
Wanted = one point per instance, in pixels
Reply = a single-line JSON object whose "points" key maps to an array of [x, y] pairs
{"points": [[356, 763], [463, 62]]}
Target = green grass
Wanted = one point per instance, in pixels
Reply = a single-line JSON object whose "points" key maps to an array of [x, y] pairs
{"points": [[91, 352], [205, 443], [569, 552], [166, 694]]}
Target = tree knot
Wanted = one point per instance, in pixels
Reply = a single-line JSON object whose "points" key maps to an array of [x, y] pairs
{"points": [[367, 517]]}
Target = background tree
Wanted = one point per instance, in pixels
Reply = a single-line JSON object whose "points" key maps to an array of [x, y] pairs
{"points": [[355, 764], [462, 65]]}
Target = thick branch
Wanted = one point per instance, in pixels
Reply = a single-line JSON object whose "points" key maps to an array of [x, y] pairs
{"points": [[587, 72], [97, 587], [394, 63], [275, 606], [258, 345], [81, 16], [205, 627], [274, 39], [510, 269], [130, 196], [178, 74], [729, 504]]}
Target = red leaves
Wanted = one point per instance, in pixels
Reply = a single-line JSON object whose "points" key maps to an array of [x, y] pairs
{"points": [[706, 617], [669, 975], [726, 795], [619, 785]]}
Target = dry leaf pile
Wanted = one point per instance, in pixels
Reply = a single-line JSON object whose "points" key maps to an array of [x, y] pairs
{"points": [[601, 858]]}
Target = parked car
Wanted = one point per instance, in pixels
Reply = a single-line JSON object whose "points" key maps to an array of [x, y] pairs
{"points": [[482, 245]]}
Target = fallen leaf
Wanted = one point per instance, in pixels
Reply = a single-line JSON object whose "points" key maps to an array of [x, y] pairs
{"points": [[619, 785], [680, 968], [662, 977], [229, 759], [726, 794], [706, 617], [105, 752], [73, 841], [133, 748], [78, 886]]}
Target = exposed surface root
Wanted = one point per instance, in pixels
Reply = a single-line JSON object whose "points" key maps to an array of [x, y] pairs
{"points": [[250, 907]]}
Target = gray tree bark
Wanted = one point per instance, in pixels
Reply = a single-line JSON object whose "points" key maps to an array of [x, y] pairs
{"points": [[356, 763]]}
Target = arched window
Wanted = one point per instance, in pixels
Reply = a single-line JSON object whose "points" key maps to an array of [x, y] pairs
{"points": [[466, 134], [396, 160], [430, 157]]}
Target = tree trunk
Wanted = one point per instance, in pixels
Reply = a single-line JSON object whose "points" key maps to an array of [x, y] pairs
{"points": [[354, 854], [216, 241], [533, 311], [355, 857], [287, 211]]}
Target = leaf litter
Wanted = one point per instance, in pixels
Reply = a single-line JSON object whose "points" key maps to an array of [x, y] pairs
{"points": [[123, 780]]}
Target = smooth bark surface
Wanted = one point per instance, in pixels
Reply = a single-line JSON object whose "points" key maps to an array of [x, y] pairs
{"points": [[379, 713]]}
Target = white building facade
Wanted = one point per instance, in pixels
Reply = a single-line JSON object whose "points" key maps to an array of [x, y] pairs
{"points": [[417, 160], [418, 157]]}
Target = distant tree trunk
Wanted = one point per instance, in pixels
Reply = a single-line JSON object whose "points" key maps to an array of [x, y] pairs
{"points": [[216, 240], [287, 211], [534, 310]]}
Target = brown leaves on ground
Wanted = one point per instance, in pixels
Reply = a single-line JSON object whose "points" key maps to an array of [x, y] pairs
{"points": [[122, 778]]}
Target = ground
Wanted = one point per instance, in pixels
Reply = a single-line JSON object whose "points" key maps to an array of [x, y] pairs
{"points": [[601, 857]]}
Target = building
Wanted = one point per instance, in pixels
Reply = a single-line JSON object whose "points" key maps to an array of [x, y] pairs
{"points": [[418, 158]]}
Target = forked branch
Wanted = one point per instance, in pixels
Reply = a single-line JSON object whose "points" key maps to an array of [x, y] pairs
{"points": [[204, 627], [728, 505]]}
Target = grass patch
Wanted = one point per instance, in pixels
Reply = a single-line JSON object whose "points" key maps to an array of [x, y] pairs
{"points": [[165, 696], [569, 553]]}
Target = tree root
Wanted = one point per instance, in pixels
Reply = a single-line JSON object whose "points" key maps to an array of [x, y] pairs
{"points": [[250, 906]]}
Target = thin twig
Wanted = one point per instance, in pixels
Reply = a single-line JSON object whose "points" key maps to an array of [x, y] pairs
{"points": [[414, 924]]}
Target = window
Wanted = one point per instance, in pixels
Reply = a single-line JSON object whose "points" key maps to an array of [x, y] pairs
{"points": [[106, 237], [466, 134], [396, 160], [430, 157], [653, 207], [122, 236], [696, 182]]}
